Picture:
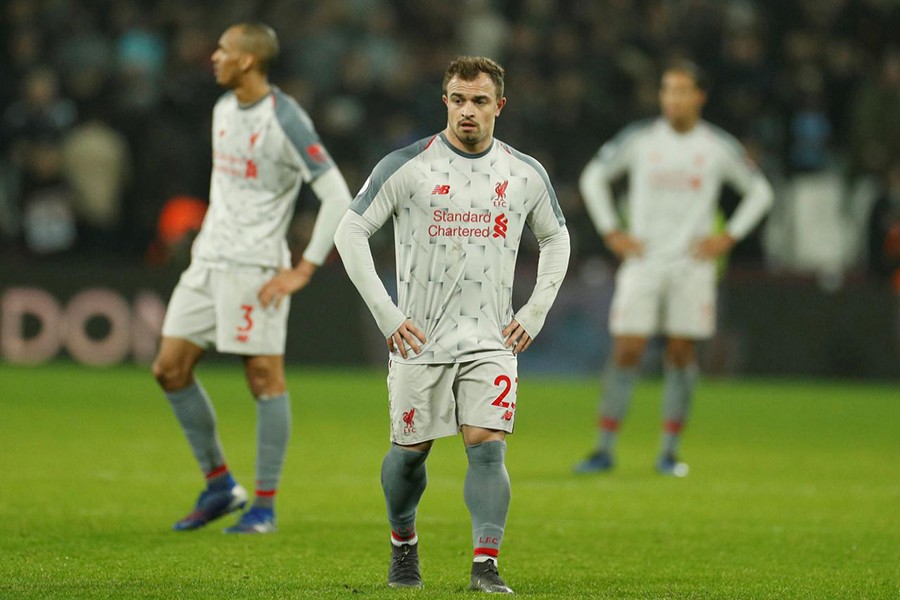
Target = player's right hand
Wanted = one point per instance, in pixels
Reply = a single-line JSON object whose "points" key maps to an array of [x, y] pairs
{"points": [[623, 245], [407, 333]]}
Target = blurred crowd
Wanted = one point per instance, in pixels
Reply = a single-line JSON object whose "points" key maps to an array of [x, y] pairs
{"points": [[106, 104]]}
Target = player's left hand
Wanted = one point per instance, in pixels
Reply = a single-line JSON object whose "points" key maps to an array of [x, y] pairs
{"points": [[287, 282], [516, 337], [713, 246]]}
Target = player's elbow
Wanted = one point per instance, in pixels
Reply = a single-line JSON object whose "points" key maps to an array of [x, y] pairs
{"points": [[340, 235], [591, 177], [766, 193]]}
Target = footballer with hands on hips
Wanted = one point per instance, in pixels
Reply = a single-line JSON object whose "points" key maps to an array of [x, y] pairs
{"points": [[459, 201]]}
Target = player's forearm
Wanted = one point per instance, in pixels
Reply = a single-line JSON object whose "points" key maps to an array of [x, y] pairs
{"points": [[352, 241], [753, 207], [552, 265], [598, 199], [331, 190], [305, 267]]}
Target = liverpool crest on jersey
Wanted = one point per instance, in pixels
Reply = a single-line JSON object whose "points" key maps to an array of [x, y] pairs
{"points": [[500, 193]]}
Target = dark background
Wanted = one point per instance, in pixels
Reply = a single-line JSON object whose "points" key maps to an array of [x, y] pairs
{"points": [[106, 107]]}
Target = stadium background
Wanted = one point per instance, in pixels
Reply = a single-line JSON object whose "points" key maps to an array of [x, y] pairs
{"points": [[105, 157], [105, 109]]}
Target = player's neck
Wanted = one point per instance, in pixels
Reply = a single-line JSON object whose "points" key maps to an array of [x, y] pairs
{"points": [[457, 143], [251, 90], [684, 125]]}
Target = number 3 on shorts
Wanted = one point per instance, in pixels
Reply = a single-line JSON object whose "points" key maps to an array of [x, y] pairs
{"points": [[505, 385], [244, 329]]}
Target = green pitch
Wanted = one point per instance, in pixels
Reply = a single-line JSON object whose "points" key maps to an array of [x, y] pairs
{"points": [[794, 492]]}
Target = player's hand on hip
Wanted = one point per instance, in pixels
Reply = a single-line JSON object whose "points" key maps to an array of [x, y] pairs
{"points": [[713, 246], [287, 282], [516, 337], [407, 333], [623, 245]]}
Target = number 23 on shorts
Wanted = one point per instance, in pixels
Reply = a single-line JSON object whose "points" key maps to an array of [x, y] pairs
{"points": [[506, 385]]}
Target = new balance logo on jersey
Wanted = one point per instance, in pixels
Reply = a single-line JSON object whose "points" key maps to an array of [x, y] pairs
{"points": [[500, 226], [440, 190], [253, 138], [500, 190], [409, 425]]}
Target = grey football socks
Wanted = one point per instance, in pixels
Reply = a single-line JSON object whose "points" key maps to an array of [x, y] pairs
{"points": [[403, 479], [678, 389], [273, 429], [195, 413], [618, 389], [487, 493]]}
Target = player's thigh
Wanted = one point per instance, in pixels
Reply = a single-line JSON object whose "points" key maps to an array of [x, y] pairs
{"points": [[243, 325], [635, 309], [486, 392], [174, 351], [191, 313], [691, 302], [421, 402]]}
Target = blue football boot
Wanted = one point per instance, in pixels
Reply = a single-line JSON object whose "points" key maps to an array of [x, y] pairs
{"points": [[255, 520], [668, 464], [212, 504], [598, 462]]}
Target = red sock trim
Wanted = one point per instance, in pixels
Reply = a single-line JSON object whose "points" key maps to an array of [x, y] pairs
{"points": [[608, 424], [673, 427], [266, 493], [403, 538], [217, 472], [493, 552]]}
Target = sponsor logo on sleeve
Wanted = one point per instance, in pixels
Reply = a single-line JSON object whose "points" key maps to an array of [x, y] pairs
{"points": [[316, 153]]}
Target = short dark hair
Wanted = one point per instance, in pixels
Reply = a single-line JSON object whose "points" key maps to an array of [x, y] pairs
{"points": [[692, 69], [261, 41], [468, 68]]}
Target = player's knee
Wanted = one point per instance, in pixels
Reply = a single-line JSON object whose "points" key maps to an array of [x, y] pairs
{"points": [[265, 381], [627, 356], [627, 351], [680, 354], [171, 376]]}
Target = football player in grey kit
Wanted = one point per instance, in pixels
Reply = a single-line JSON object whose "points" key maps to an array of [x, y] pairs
{"points": [[676, 165], [236, 292], [459, 201]]}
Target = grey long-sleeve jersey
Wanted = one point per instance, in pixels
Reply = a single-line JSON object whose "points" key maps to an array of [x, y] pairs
{"points": [[458, 221], [674, 184]]}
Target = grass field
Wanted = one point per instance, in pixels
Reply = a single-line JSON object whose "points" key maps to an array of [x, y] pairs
{"points": [[794, 492]]}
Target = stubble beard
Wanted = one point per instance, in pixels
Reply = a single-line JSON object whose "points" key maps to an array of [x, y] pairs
{"points": [[469, 138]]}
